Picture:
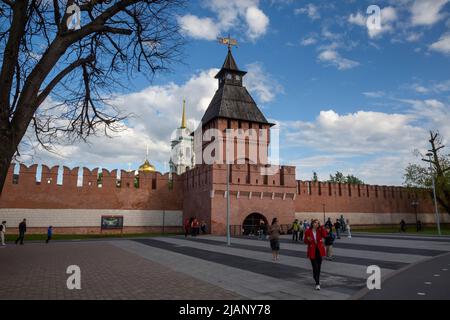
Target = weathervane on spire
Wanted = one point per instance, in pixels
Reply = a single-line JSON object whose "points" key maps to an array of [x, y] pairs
{"points": [[230, 42]]}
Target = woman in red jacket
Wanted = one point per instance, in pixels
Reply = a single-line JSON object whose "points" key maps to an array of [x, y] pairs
{"points": [[316, 250]]}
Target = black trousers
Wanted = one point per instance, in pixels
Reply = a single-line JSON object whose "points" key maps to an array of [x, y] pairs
{"points": [[316, 264], [20, 238], [48, 239], [294, 235]]}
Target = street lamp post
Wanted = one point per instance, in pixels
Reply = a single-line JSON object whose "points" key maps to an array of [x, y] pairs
{"points": [[228, 205], [434, 194]]}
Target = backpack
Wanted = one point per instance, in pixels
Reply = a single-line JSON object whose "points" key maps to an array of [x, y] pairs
{"points": [[1, 227]]}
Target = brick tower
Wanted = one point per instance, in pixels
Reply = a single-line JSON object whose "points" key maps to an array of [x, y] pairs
{"points": [[235, 131]]}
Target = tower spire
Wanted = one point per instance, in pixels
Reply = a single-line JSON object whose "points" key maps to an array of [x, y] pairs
{"points": [[183, 117]]}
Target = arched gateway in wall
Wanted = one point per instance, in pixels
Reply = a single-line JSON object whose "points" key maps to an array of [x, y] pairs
{"points": [[251, 223]]}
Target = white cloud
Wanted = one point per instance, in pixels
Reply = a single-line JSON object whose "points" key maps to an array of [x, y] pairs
{"points": [[433, 87], [358, 19], [414, 36], [199, 28], [388, 16], [374, 94], [257, 21], [260, 83], [240, 15], [427, 12], [345, 142], [367, 170], [334, 58], [362, 132], [421, 89], [393, 168], [433, 114], [308, 41], [311, 10], [442, 45]]}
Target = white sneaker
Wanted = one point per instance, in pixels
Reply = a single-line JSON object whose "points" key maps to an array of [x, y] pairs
{"points": [[317, 287]]}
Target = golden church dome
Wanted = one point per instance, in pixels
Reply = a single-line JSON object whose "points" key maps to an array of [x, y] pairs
{"points": [[147, 167]]}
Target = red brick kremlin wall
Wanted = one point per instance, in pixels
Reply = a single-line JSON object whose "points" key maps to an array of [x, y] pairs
{"points": [[200, 192], [78, 209]]}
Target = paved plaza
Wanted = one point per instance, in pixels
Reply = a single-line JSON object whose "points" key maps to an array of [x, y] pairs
{"points": [[412, 267]]}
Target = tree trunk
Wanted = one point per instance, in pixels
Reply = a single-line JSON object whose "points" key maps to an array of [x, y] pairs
{"points": [[7, 150]]}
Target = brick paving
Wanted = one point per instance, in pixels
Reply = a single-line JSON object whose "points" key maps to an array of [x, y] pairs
{"points": [[38, 271]]}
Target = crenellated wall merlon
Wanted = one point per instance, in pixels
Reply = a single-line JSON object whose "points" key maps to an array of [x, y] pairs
{"points": [[312, 188], [87, 178]]}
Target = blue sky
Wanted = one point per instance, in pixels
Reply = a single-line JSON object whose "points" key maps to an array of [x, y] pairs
{"points": [[346, 98]]}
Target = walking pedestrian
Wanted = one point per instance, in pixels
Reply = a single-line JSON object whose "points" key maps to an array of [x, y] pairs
{"points": [[195, 227], [22, 230], [329, 241], [262, 230], [187, 224], [337, 227], [203, 227], [274, 233], [349, 233], [3, 232], [49, 234], [306, 225], [302, 230], [316, 250], [403, 226], [295, 230], [329, 224], [192, 227], [342, 221]]}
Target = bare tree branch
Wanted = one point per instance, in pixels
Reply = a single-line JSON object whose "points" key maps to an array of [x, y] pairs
{"points": [[44, 94], [75, 71]]}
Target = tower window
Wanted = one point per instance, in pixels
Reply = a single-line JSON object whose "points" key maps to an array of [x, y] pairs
{"points": [[229, 76], [229, 124], [238, 78], [239, 124]]}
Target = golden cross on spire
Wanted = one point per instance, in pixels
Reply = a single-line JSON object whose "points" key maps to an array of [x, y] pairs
{"points": [[230, 42]]}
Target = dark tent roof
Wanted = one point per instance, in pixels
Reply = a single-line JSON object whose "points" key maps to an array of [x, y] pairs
{"points": [[233, 102], [230, 63]]}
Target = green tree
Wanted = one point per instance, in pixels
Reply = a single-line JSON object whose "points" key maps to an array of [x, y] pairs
{"points": [[337, 178], [340, 178], [419, 176], [351, 179]]}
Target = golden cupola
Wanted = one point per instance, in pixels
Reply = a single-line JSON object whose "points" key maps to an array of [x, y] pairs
{"points": [[146, 166]]}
